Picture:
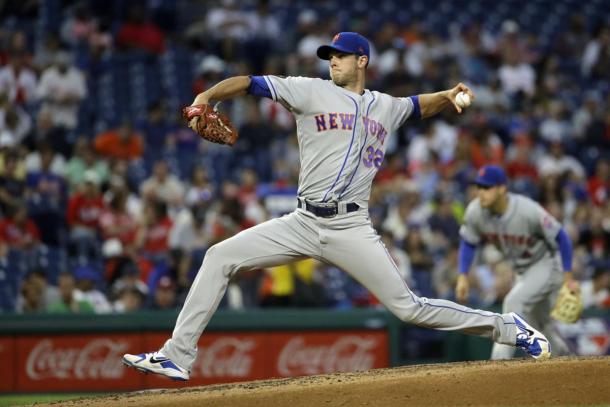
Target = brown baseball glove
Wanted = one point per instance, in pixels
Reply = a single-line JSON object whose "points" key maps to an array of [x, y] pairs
{"points": [[568, 307], [212, 125]]}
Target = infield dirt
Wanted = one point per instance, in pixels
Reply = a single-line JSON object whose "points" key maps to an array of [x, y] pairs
{"points": [[555, 382]]}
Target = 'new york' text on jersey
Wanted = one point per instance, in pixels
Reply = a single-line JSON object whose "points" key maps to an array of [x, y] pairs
{"points": [[342, 135]]}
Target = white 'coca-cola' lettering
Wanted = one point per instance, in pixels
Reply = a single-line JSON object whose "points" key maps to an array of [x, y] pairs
{"points": [[98, 359], [225, 357], [347, 354]]}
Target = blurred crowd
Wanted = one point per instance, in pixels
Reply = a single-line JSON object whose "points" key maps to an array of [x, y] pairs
{"points": [[112, 212]]}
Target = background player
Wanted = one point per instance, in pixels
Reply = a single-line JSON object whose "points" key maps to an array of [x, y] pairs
{"points": [[341, 129], [530, 238]]}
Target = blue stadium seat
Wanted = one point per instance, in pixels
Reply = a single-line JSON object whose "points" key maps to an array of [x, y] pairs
{"points": [[53, 260], [423, 282], [12, 271]]}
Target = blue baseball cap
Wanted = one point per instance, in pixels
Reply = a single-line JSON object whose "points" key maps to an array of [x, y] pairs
{"points": [[490, 176], [86, 273], [348, 42]]}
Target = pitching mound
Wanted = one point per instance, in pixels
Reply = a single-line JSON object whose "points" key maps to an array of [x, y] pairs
{"points": [[559, 381]]}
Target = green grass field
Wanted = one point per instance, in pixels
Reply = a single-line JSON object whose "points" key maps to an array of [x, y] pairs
{"points": [[21, 399]]}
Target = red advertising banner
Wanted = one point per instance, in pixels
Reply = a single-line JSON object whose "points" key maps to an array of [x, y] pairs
{"points": [[234, 357], [76, 362], [93, 361], [314, 353], [7, 361]]}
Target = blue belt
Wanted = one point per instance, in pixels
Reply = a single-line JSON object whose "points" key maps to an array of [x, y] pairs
{"points": [[326, 210]]}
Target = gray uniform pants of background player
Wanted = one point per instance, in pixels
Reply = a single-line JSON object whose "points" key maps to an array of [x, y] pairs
{"points": [[533, 295], [346, 241]]}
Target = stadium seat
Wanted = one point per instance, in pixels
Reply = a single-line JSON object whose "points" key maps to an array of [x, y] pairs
{"points": [[53, 260]]}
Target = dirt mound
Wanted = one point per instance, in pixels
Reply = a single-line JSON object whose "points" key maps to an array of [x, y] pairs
{"points": [[559, 381]]}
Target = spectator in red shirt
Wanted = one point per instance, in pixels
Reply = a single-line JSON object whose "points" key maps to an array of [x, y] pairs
{"points": [[520, 165], [599, 184], [229, 220], [486, 147], [140, 33], [18, 230], [85, 208], [116, 222], [121, 143], [153, 234]]}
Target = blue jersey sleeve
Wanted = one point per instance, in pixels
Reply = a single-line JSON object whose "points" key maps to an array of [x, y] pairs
{"points": [[258, 87], [565, 249], [466, 256]]}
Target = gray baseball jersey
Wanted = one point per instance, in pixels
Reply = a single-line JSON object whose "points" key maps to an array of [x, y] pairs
{"points": [[525, 234], [342, 135], [342, 141]]}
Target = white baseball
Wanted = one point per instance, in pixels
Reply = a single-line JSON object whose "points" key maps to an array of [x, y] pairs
{"points": [[462, 99]]}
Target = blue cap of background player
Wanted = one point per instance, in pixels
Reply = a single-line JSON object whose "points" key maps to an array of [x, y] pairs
{"points": [[348, 42], [490, 176]]}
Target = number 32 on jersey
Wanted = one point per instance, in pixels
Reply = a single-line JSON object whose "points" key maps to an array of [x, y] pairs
{"points": [[372, 157]]}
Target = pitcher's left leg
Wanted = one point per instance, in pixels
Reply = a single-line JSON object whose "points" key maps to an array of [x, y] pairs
{"points": [[358, 250]]}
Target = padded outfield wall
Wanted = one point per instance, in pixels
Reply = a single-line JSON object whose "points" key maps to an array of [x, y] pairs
{"points": [[46, 353]]}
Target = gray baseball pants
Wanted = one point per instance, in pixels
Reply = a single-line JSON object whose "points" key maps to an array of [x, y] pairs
{"points": [[346, 241]]}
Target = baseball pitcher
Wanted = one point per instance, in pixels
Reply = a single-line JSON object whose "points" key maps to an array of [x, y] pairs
{"points": [[342, 129], [531, 239]]}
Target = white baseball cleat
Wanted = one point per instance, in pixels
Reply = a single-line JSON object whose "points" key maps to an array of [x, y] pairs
{"points": [[531, 340], [156, 362]]}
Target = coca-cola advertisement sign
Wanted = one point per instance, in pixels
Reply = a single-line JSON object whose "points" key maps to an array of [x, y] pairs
{"points": [[327, 352], [232, 357], [92, 362], [59, 362], [97, 359]]}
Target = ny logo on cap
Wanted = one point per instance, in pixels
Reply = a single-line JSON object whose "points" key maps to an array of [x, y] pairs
{"points": [[336, 37]]}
